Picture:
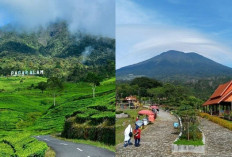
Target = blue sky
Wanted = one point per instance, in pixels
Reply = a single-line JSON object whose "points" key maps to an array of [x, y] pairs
{"points": [[146, 28]]}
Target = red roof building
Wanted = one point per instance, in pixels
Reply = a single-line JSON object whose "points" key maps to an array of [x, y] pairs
{"points": [[131, 98], [221, 100]]}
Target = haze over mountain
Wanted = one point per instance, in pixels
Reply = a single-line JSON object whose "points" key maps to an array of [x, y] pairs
{"points": [[175, 65], [57, 51]]}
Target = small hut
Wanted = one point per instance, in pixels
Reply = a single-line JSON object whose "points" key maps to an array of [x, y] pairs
{"points": [[220, 101]]}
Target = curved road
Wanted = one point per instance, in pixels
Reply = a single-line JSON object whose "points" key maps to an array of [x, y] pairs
{"points": [[69, 149]]}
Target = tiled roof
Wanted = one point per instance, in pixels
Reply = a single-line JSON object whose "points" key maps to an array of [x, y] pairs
{"points": [[131, 98], [223, 92]]}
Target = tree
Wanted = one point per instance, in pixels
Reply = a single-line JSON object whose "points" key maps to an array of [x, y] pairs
{"points": [[94, 80], [157, 93], [42, 86], [144, 82], [55, 83]]}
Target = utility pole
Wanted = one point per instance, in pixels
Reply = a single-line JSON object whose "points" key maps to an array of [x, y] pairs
{"points": [[54, 99], [188, 131], [94, 86]]}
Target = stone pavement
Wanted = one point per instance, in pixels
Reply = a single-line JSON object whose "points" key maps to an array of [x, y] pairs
{"points": [[157, 138], [218, 139]]}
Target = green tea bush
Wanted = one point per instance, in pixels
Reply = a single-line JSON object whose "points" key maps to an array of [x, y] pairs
{"points": [[102, 116], [99, 107], [82, 117], [104, 134], [22, 145]]}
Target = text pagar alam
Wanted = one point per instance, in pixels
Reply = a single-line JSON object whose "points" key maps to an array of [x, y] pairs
{"points": [[27, 72]]}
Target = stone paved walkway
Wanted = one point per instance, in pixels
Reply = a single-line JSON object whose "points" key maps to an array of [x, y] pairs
{"points": [[218, 139], [156, 140]]}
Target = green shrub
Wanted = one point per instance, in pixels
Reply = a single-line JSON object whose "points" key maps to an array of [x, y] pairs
{"points": [[99, 118], [190, 142], [104, 134], [82, 117], [119, 112], [217, 120], [23, 145]]}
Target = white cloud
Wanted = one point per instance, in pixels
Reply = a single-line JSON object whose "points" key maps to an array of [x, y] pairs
{"points": [[92, 16]]}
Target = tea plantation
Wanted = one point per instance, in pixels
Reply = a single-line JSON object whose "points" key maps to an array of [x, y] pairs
{"points": [[25, 112]]}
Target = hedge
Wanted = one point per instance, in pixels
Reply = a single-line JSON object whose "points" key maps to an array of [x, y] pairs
{"points": [[99, 118], [217, 120], [104, 134]]}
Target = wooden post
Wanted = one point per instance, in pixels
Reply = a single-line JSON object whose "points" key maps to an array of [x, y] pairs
{"points": [[54, 99], [211, 110], [219, 112], [188, 131], [231, 106]]}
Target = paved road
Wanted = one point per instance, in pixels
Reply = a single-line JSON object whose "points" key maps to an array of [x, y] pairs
{"points": [[69, 149]]}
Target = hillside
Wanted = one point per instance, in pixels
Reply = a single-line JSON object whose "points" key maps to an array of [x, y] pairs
{"points": [[25, 111], [175, 65], [57, 51], [27, 102]]}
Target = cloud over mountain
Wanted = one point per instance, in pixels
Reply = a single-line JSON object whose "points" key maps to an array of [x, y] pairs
{"points": [[96, 17]]}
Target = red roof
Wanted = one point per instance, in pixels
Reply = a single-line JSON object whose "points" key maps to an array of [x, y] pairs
{"points": [[146, 112], [222, 93], [131, 98]]}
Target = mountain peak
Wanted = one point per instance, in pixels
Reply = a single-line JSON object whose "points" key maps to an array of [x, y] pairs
{"points": [[175, 64], [173, 51]]}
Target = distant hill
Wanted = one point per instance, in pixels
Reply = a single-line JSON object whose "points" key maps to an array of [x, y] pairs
{"points": [[175, 65]]}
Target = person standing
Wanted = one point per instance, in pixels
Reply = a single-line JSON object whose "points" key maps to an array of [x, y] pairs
{"points": [[137, 134], [127, 135], [137, 118]]}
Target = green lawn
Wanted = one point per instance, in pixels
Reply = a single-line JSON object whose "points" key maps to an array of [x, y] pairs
{"points": [[190, 142], [25, 111]]}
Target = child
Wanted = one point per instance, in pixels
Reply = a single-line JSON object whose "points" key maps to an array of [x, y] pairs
{"points": [[137, 133]]}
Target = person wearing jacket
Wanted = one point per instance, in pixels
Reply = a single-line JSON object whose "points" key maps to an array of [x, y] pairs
{"points": [[137, 118], [127, 134], [137, 134]]}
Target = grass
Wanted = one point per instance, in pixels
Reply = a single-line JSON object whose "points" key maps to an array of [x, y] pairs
{"points": [[25, 112], [50, 153], [94, 143], [190, 142]]}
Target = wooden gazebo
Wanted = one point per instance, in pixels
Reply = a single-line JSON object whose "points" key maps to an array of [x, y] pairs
{"points": [[220, 101]]}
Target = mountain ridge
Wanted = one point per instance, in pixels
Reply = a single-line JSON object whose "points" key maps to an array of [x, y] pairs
{"points": [[57, 51], [172, 65]]}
